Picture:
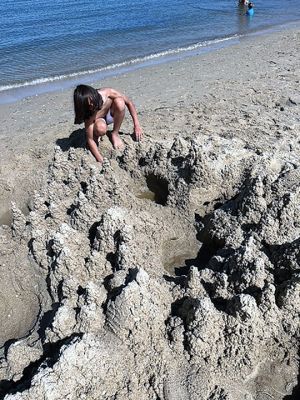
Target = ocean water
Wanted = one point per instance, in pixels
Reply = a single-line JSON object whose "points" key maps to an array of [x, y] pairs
{"points": [[46, 44]]}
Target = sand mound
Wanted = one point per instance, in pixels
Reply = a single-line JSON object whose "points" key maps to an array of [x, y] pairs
{"points": [[173, 273]]}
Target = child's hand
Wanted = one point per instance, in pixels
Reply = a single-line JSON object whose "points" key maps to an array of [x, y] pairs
{"points": [[100, 159], [138, 133]]}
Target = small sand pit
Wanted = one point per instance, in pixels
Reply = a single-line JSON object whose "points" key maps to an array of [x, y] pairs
{"points": [[158, 186], [176, 252], [146, 195]]}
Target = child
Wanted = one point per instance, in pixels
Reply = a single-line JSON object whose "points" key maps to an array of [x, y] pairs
{"points": [[250, 10], [98, 108]]}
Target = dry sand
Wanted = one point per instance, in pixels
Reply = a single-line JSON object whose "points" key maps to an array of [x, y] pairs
{"points": [[221, 155]]}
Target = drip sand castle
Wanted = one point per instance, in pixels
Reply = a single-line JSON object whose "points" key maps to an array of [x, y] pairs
{"points": [[171, 272]]}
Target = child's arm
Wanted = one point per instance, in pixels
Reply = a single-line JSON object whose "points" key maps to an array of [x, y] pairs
{"points": [[92, 145], [113, 94], [136, 124]]}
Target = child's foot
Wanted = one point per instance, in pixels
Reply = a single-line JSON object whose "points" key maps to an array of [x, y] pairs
{"points": [[117, 142]]}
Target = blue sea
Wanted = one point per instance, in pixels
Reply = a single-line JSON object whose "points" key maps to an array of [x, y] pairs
{"points": [[45, 45]]}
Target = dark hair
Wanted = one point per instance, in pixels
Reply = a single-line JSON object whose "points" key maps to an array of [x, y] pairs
{"points": [[250, 5], [87, 100]]}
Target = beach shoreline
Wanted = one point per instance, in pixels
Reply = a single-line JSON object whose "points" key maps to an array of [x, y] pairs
{"points": [[17, 92]]}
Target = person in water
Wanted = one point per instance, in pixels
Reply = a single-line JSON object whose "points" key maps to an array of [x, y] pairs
{"points": [[98, 108], [250, 10]]}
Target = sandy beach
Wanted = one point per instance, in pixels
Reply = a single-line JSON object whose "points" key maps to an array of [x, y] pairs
{"points": [[219, 243]]}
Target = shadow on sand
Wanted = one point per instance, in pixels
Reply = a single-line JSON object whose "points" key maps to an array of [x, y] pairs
{"points": [[75, 140]]}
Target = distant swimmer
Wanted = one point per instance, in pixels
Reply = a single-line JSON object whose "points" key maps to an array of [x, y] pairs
{"points": [[250, 10]]}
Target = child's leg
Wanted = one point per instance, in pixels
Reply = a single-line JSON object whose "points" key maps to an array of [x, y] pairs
{"points": [[118, 113], [100, 129]]}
